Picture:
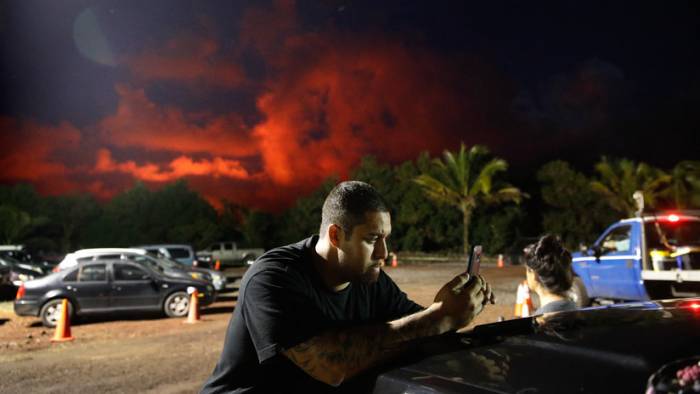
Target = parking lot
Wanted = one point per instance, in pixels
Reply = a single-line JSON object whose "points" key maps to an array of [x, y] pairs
{"points": [[151, 353]]}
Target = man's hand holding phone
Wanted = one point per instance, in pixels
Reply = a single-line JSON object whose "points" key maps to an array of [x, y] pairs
{"points": [[466, 295], [473, 268]]}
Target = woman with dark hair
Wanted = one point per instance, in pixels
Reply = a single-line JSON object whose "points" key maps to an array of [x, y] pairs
{"points": [[549, 274]]}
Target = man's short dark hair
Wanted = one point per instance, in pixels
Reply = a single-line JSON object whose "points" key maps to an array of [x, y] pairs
{"points": [[552, 264], [347, 204]]}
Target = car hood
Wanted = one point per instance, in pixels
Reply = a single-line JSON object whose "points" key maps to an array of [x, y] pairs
{"points": [[176, 273], [596, 350]]}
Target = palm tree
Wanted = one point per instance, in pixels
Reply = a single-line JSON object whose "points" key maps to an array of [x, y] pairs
{"points": [[684, 186], [465, 180], [619, 179]]}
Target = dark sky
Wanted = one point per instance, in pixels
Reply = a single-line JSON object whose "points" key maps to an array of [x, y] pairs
{"points": [[258, 102]]}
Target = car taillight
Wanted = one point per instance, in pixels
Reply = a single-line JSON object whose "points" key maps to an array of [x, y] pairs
{"points": [[20, 292], [673, 218]]}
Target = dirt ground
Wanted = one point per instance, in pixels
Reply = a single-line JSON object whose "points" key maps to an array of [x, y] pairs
{"points": [[153, 354]]}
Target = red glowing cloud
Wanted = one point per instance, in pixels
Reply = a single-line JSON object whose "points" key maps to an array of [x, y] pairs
{"points": [[28, 152], [387, 101], [139, 122], [325, 101], [182, 166]]}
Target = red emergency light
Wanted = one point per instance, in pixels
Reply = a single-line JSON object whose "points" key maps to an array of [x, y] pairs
{"points": [[673, 218]]}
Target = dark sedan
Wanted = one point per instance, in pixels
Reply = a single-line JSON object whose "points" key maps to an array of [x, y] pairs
{"points": [[614, 349], [108, 286]]}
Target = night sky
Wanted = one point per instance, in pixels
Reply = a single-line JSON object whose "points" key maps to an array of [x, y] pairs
{"points": [[258, 102]]}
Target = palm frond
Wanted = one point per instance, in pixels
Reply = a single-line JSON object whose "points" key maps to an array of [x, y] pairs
{"points": [[484, 180]]}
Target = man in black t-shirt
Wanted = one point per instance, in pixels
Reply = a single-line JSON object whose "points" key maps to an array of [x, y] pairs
{"points": [[314, 314]]}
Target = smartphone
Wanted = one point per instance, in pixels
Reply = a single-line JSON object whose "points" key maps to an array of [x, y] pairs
{"points": [[474, 262]]}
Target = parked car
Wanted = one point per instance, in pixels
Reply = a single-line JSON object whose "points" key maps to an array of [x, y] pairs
{"points": [[113, 285], [179, 252], [20, 272], [622, 348], [140, 256], [642, 258], [20, 253], [166, 253]]}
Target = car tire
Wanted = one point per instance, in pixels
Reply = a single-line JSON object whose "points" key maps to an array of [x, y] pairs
{"points": [[177, 304], [50, 312], [579, 294]]}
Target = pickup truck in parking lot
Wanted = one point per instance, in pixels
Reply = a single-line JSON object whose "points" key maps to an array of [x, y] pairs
{"points": [[637, 259], [229, 255]]}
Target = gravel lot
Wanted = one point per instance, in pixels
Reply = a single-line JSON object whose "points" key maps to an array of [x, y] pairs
{"points": [[149, 353]]}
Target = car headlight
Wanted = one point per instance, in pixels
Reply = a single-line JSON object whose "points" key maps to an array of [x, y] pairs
{"points": [[197, 275], [216, 277], [17, 277], [24, 277]]}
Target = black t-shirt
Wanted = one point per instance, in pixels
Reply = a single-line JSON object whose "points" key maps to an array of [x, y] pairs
{"points": [[282, 303]]}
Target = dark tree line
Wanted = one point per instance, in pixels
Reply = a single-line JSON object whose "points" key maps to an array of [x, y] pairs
{"points": [[437, 205]]}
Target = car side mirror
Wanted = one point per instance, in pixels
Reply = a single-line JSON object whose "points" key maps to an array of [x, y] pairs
{"points": [[597, 251]]}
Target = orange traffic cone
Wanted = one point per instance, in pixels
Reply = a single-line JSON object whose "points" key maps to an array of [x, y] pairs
{"points": [[63, 327], [394, 260], [217, 266], [500, 261], [523, 302], [193, 313]]}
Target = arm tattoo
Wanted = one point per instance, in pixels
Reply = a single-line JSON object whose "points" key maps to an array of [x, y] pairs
{"points": [[337, 355]]}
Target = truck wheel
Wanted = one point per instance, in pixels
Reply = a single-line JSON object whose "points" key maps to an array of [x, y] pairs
{"points": [[51, 312], [177, 304], [579, 294]]}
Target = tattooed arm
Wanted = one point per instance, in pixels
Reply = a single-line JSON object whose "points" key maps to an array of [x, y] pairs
{"points": [[338, 355]]}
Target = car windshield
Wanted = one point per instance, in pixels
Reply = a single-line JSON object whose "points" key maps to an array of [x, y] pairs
{"points": [[178, 253], [172, 264], [167, 263], [149, 262], [662, 234]]}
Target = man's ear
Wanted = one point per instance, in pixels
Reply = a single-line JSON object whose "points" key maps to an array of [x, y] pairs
{"points": [[334, 234]]}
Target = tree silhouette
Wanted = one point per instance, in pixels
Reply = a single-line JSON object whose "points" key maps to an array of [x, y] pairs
{"points": [[619, 179], [465, 180], [684, 186]]}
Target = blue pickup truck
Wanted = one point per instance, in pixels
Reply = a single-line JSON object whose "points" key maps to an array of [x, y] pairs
{"points": [[642, 258]]}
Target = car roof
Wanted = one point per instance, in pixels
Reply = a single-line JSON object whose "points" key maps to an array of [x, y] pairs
{"points": [[112, 261], [101, 251], [72, 258], [670, 216], [163, 246], [8, 248]]}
